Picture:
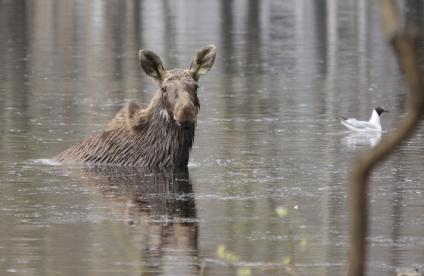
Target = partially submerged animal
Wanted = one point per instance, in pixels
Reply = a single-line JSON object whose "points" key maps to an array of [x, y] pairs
{"points": [[158, 136], [372, 125]]}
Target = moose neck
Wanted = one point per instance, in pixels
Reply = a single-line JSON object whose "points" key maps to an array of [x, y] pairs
{"points": [[169, 143]]}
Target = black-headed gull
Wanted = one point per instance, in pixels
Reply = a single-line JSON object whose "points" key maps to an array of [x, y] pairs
{"points": [[364, 126]]}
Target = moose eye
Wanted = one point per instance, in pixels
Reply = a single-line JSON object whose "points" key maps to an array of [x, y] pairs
{"points": [[196, 86], [163, 88]]}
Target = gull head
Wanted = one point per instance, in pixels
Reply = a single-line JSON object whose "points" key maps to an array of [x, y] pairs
{"points": [[380, 110]]}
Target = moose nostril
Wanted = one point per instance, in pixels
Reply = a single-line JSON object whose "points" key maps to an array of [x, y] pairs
{"points": [[187, 110], [187, 114]]}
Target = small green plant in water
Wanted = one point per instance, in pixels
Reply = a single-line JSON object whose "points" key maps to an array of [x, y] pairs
{"points": [[286, 260], [282, 211], [303, 243], [230, 257], [226, 255], [244, 271]]}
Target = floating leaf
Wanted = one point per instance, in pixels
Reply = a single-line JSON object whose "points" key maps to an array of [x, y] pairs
{"points": [[220, 251], [303, 243], [244, 271], [286, 260], [226, 255], [233, 258], [282, 211]]}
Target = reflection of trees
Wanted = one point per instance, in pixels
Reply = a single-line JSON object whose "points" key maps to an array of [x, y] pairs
{"points": [[15, 99], [414, 12], [169, 35], [161, 206]]}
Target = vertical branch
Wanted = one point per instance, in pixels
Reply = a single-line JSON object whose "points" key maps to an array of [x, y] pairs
{"points": [[404, 43]]}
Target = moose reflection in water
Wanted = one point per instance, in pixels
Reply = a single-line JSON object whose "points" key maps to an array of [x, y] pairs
{"points": [[158, 136], [161, 206]]}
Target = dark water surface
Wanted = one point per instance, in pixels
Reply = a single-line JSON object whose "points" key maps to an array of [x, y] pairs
{"points": [[268, 139]]}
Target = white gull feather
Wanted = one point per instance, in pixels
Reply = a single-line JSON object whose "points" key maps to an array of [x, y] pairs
{"points": [[372, 125]]}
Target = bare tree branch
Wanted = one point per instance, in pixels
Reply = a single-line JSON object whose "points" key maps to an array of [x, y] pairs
{"points": [[404, 42]]}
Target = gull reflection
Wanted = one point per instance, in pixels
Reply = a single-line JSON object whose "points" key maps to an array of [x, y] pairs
{"points": [[358, 139]]}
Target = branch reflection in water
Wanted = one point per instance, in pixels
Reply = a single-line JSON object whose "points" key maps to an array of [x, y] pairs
{"points": [[161, 207]]}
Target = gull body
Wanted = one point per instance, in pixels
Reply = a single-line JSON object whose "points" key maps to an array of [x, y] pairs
{"points": [[372, 125]]}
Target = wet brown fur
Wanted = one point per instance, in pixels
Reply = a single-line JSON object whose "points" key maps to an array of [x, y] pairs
{"points": [[158, 136]]}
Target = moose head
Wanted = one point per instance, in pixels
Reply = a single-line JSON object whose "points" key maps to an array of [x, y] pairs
{"points": [[178, 88]]}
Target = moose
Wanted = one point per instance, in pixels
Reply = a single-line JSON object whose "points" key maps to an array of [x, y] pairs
{"points": [[158, 136]]}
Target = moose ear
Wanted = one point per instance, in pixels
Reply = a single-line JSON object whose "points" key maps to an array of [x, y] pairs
{"points": [[152, 65], [203, 61]]}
